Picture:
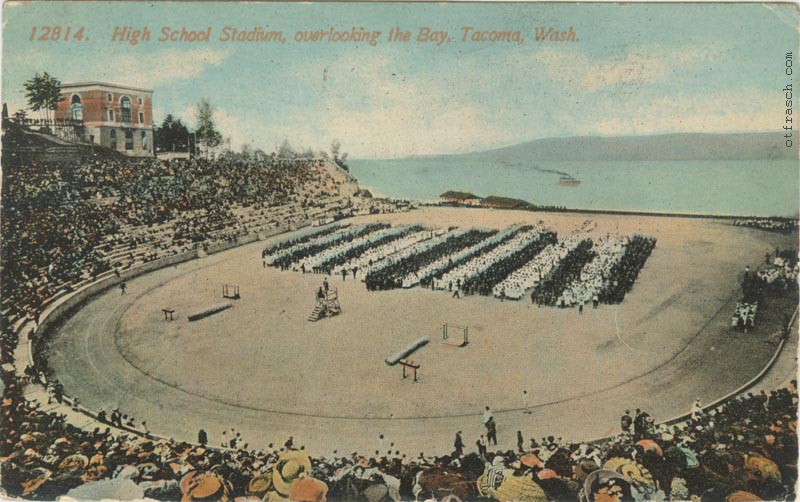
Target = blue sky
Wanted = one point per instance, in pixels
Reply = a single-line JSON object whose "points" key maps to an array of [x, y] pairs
{"points": [[636, 69]]}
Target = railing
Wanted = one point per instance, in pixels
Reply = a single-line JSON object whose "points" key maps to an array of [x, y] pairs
{"points": [[54, 122]]}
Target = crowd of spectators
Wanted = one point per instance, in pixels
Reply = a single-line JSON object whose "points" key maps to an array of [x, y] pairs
{"points": [[780, 225], [777, 275], [780, 270], [743, 449], [68, 222], [744, 316]]}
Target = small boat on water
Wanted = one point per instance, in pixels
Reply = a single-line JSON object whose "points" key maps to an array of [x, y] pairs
{"points": [[568, 181]]}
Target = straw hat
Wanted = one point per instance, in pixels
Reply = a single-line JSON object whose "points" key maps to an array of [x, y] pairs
{"points": [[308, 490], [292, 465], [531, 460], [27, 438], [518, 489], [601, 477], [376, 492], [33, 484], [547, 474], [94, 472], [740, 496], [650, 445], [259, 485], [76, 461], [766, 468], [186, 481], [206, 486], [633, 472]]}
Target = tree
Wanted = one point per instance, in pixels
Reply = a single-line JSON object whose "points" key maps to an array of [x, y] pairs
{"points": [[172, 136], [339, 157], [206, 129], [43, 93], [285, 151]]}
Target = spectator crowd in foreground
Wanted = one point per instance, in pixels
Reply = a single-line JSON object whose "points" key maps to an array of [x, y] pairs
{"points": [[742, 450]]}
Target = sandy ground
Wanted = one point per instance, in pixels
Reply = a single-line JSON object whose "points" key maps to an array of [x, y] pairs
{"points": [[263, 369]]}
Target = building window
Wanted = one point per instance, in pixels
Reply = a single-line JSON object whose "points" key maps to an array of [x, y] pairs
{"points": [[110, 115], [76, 108], [139, 101], [141, 117], [129, 139], [113, 139], [109, 97], [125, 109], [144, 140]]}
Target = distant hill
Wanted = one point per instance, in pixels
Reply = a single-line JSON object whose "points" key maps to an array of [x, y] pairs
{"points": [[685, 146], [455, 194]]}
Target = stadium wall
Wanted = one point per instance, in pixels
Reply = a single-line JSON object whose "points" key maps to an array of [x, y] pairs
{"points": [[59, 312]]}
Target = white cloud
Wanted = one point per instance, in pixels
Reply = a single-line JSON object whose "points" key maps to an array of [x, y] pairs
{"points": [[161, 68], [636, 67], [373, 107]]}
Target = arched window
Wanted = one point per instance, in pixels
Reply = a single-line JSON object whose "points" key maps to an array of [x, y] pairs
{"points": [[125, 109], [76, 108]]}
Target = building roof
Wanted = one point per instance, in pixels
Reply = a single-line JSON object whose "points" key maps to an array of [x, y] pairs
{"points": [[94, 83]]}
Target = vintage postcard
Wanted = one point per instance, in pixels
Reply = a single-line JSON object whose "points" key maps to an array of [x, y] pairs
{"points": [[399, 251]]}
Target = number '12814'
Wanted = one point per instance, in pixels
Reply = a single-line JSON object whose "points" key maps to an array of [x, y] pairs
{"points": [[56, 33]]}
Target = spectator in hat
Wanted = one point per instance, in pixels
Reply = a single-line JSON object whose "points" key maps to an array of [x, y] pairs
{"points": [[481, 444], [625, 422], [491, 435], [458, 444], [697, 409], [487, 415]]}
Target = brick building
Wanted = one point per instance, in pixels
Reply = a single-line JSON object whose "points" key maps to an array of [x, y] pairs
{"points": [[114, 116]]}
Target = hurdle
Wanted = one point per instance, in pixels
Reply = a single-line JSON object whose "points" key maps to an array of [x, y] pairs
{"points": [[448, 330], [411, 365], [230, 291]]}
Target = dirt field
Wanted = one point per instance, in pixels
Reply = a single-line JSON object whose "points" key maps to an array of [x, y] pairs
{"points": [[263, 369]]}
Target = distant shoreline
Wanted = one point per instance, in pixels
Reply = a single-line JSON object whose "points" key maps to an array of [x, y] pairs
{"points": [[617, 212]]}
